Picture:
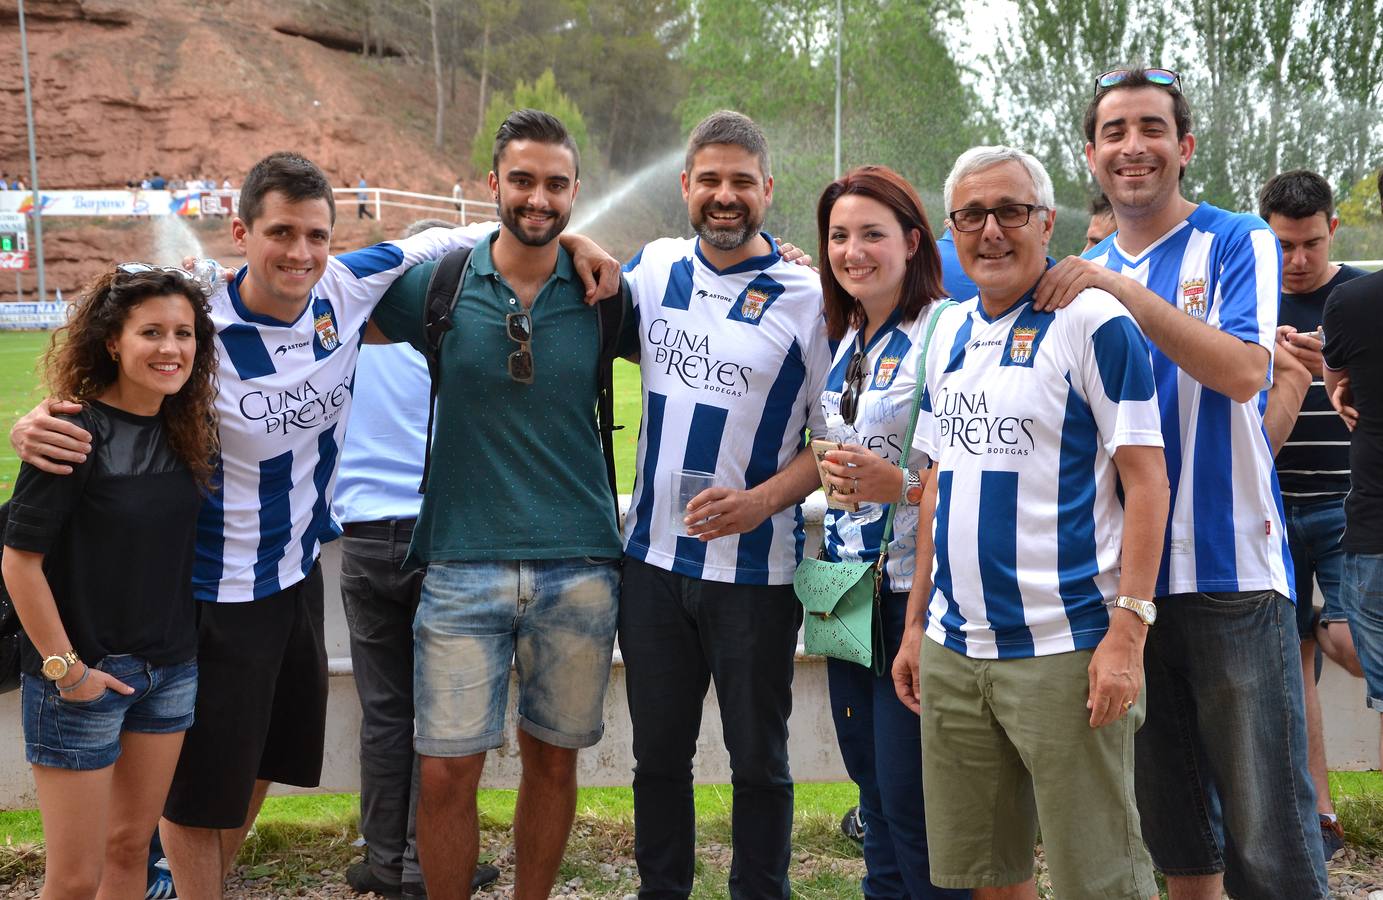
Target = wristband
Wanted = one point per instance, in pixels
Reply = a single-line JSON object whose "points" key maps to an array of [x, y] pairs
{"points": [[86, 673]]}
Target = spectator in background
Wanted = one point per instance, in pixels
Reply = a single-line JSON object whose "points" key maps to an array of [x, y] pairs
{"points": [[958, 285], [158, 182], [377, 503], [4, 181], [226, 184], [1101, 221], [1313, 465], [362, 197], [1354, 379], [457, 195]]}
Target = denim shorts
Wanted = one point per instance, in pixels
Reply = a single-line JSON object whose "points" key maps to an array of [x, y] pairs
{"points": [[1314, 531], [1361, 595], [85, 734], [553, 620]]}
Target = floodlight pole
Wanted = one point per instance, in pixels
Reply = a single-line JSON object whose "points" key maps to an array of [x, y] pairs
{"points": [[840, 26], [37, 211]]}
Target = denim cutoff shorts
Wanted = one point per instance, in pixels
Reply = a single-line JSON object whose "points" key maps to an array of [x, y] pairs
{"points": [[85, 734], [552, 620]]}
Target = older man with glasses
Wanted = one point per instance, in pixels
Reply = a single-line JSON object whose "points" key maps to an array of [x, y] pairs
{"points": [[1223, 786], [1036, 557]]}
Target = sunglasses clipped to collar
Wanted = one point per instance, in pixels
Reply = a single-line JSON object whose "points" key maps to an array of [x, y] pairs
{"points": [[1160, 77]]}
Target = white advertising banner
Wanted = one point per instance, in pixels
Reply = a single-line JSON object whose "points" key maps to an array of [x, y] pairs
{"points": [[105, 203], [32, 316]]}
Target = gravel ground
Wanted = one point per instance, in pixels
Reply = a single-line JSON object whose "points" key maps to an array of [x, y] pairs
{"points": [[1353, 876]]}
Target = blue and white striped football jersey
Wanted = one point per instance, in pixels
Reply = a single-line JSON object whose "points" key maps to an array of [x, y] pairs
{"points": [[1026, 413], [881, 424], [1225, 531], [285, 396], [733, 364]]}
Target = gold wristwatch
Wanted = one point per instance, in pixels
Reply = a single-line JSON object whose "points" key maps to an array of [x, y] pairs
{"points": [[55, 668], [1143, 609]]}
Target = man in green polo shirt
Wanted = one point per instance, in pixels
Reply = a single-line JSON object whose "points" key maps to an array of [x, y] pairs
{"points": [[517, 527]]}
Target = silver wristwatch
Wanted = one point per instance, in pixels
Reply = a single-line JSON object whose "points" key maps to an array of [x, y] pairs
{"points": [[912, 487], [1143, 609]]}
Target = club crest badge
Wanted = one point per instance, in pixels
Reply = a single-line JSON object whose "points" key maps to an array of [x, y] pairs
{"points": [[888, 366], [1193, 297], [1020, 348], [753, 305], [326, 331]]}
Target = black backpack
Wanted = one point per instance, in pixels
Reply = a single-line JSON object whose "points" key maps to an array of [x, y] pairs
{"points": [[10, 629], [443, 289]]}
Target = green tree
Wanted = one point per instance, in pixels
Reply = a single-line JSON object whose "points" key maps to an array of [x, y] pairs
{"points": [[543, 94]]}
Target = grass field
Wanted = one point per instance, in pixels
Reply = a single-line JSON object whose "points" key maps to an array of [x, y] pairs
{"points": [[19, 391]]}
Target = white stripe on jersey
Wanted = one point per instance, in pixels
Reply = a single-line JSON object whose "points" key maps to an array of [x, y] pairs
{"points": [[1225, 269], [1025, 414], [285, 396], [733, 364]]}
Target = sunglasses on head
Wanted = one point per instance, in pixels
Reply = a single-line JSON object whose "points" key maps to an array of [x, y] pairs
{"points": [[139, 268], [1160, 77]]}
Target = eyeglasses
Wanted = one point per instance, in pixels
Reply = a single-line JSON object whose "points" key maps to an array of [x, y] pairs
{"points": [[1160, 77], [519, 325], [138, 268], [855, 371], [1010, 215]]}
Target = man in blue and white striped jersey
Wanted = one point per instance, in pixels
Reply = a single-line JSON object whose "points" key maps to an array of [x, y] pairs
{"points": [[1223, 787], [733, 354], [1047, 501]]}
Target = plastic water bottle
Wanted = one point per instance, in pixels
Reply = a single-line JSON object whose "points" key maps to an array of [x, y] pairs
{"points": [[207, 273]]}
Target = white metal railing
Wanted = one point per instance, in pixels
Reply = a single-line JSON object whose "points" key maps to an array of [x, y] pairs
{"points": [[442, 207]]}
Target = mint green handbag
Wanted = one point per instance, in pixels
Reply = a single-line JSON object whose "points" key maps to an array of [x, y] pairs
{"points": [[843, 618]]}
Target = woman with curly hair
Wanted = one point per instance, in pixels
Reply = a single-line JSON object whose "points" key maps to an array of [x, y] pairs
{"points": [[99, 564]]}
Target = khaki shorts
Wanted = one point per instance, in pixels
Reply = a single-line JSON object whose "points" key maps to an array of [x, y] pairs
{"points": [[1006, 746]]}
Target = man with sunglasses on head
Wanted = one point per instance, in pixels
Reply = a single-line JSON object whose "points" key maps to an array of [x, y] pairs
{"points": [[733, 353], [517, 528], [1222, 783]]}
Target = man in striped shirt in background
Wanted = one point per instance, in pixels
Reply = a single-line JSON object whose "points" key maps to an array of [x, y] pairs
{"points": [[1313, 465], [1223, 788]]}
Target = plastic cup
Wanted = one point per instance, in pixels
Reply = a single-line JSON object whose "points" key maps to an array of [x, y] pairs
{"points": [[686, 484]]}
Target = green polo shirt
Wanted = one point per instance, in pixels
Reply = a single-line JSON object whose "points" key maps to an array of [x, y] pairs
{"points": [[517, 470]]}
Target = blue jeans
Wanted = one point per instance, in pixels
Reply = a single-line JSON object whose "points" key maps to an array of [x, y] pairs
{"points": [[1314, 531], [881, 743], [85, 734], [1222, 783], [1362, 598], [551, 619]]}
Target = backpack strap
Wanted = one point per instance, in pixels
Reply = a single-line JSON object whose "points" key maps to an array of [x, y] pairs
{"points": [[610, 316], [443, 289]]}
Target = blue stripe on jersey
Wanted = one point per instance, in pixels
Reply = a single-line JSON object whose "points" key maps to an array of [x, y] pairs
{"points": [[951, 620], [957, 355], [372, 260], [211, 539], [653, 409], [633, 263], [755, 546], [320, 527], [679, 285], [1116, 342], [1213, 491], [1163, 271], [751, 311], [998, 562], [1077, 557], [275, 520], [324, 332], [246, 350], [703, 449], [1029, 319]]}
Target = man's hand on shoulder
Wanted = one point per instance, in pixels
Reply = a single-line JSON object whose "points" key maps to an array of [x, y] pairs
{"points": [[599, 271], [48, 443], [1061, 283], [795, 254]]}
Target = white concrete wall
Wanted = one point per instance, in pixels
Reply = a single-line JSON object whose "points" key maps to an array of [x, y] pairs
{"points": [[1351, 731]]}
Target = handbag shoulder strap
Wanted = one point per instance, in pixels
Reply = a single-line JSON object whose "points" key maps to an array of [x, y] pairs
{"points": [[912, 423]]}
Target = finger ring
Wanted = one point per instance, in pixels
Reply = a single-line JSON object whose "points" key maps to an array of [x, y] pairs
{"points": [[1128, 705]]}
